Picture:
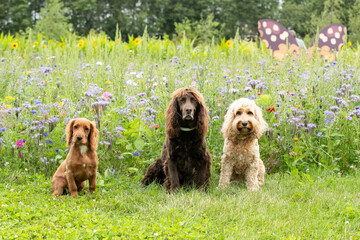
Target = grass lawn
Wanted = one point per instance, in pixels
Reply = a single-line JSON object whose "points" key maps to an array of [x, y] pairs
{"points": [[314, 206]]}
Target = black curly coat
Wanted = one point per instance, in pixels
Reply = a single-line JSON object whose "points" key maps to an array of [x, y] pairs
{"points": [[185, 159]]}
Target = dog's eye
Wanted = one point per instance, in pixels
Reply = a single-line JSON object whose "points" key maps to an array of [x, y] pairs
{"points": [[86, 129], [238, 113], [75, 127], [250, 113], [193, 100], [182, 99]]}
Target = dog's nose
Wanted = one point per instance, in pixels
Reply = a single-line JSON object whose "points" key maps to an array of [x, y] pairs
{"points": [[188, 110], [79, 138], [244, 124]]}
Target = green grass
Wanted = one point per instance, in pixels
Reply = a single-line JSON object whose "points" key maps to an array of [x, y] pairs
{"points": [[323, 206]]}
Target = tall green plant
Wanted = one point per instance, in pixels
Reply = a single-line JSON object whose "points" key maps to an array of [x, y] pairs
{"points": [[53, 22]]}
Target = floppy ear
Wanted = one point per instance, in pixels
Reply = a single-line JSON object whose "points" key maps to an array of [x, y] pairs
{"points": [[93, 136], [228, 119], [261, 124], [69, 132], [203, 119], [172, 119]]}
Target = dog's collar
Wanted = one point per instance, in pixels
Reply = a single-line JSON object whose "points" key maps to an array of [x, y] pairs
{"points": [[187, 129]]}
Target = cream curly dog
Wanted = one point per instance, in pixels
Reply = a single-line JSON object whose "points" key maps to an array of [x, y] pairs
{"points": [[243, 126]]}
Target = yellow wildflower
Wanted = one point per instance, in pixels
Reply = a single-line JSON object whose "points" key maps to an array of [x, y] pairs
{"points": [[35, 44], [81, 43], [229, 43], [9, 98], [137, 41], [14, 45], [349, 43]]}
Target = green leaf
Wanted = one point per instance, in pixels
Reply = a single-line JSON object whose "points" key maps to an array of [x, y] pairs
{"points": [[139, 144], [133, 170], [100, 183], [294, 173]]}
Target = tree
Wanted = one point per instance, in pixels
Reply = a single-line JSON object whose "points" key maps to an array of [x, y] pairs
{"points": [[53, 22], [15, 15], [354, 23], [333, 13]]}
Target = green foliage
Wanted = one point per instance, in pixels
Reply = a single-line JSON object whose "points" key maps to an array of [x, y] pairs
{"points": [[354, 23], [53, 22], [333, 13], [132, 16], [204, 30]]}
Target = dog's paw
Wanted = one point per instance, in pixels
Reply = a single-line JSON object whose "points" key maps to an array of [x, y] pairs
{"points": [[253, 187], [222, 186], [74, 195]]}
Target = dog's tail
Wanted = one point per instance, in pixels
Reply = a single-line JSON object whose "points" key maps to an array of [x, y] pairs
{"points": [[154, 173]]}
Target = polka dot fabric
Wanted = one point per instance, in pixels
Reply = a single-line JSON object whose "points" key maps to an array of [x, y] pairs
{"points": [[331, 39], [275, 36]]}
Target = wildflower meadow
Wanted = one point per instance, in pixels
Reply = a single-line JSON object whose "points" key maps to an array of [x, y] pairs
{"points": [[311, 148]]}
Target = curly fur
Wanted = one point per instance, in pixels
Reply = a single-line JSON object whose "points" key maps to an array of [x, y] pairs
{"points": [[185, 158], [81, 162], [243, 126]]}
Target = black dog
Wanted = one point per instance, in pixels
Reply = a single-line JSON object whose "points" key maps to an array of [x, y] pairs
{"points": [[185, 158]]}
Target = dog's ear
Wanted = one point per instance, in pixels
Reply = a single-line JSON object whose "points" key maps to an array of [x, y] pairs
{"points": [[261, 124], [69, 132], [228, 119], [172, 119], [203, 119], [93, 136]]}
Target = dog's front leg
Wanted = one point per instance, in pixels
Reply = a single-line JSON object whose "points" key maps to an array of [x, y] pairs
{"points": [[226, 171], [202, 175], [251, 178], [172, 178], [261, 173], [92, 183], [71, 182]]}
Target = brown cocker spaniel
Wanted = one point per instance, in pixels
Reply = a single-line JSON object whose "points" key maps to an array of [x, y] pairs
{"points": [[81, 162], [185, 159]]}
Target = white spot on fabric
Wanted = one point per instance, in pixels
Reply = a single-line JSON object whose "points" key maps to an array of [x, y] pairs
{"points": [[333, 41], [337, 35], [323, 37], [268, 31], [264, 24], [340, 29], [330, 31], [276, 27], [284, 35], [273, 38]]}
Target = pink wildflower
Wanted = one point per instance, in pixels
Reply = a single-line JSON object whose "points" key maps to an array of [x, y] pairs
{"points": [[107, 95], [20, 143]]}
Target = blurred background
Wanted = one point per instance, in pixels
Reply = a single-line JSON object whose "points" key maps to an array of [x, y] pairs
{"points": [[204, 19]]}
